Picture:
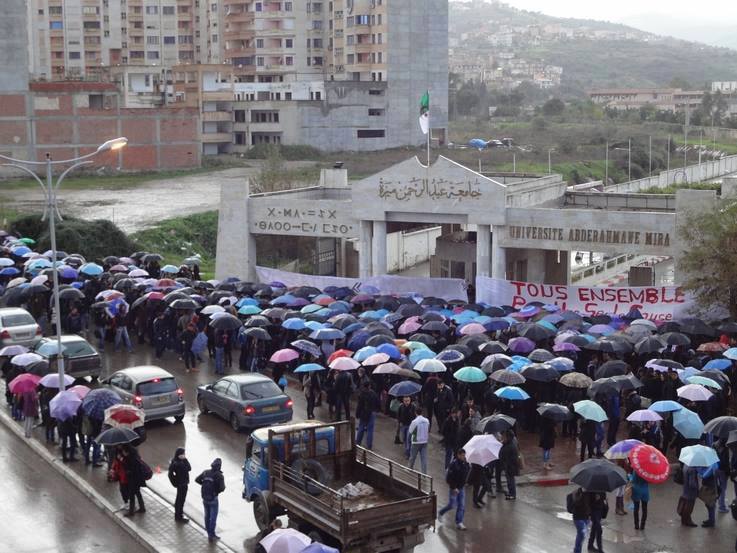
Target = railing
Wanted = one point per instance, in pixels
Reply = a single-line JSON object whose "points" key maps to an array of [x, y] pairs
{"points": [[632, 202], [421, 482], [591, 270]]}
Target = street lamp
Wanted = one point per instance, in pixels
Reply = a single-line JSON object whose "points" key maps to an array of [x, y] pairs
{"points": [[550, 166], [50, 190]]}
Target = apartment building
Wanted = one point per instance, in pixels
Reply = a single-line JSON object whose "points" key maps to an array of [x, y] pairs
{"points": [[667, 99], [81, 38]]}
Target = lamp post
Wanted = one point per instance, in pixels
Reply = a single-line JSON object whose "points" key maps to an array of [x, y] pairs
{"points": [[550, 165], [51, 211]]}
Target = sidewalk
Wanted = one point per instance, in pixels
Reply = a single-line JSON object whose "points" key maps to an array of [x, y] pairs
{"points": [[156, 531]]}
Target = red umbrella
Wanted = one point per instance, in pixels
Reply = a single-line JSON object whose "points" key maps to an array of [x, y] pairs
{"points": [[25, 382], [124, 416], [649, 464], [339, 353]]}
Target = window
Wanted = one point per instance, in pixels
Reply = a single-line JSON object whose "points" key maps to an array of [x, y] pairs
{"points": [[95, 101], [259, 43], [170, 40], [56, 25], [152, 39], [287, 6], [214, 7], [317, 43], [289, 60], [378, 19], [74, 55], [288, 43], [185, 39], [259, 7], [362, 20], [55, 10], [375, 112], [371, 133], [260, 390], [157, 386], [240, 115], [317, 61], [182, 9], [152, 10], [376, 92], [167, 10], [349, 21], [379, 37], [90, 10], [260, 61], [152, 55], [317, 24], [349, 39], [317, 95], [379, 58], [40, 12], [214, 38], [287, 95], [317, 7], [309, 61], [349, 59]]}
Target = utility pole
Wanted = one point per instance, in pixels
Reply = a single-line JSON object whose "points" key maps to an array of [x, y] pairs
{"points": [[606, 165], [650, 164], [629, 159]]}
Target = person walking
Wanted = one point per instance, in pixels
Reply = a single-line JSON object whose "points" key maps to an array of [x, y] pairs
{"points": [[456, 477], [405, 415], [443, 403], [479, 479], [599, 510], [179, 469], [587, 435], [547, 440], [418, 432], [311, 387], [212, 484], [509, 460], [578, 504], [640, 497], [136, 473], [120, 320], [689, 493], [343, 390], [366, 409], [219, 351], [450, 431]]}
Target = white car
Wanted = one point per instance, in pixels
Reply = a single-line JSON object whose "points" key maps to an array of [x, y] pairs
{"points": [[17, 327]]}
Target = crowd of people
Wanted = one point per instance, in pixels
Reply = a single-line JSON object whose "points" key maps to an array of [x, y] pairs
{"points": [[454, 368]]}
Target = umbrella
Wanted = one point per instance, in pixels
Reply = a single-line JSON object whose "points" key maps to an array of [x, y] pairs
{"points": [[508, 377], [540, 356], [688, 424], [91, 269], [621, 450], [535, 332], [124, 416], [257, 333], [344, 364], [694, 392], [390, 349], [650, 344], [471, 329], [70, 294], [609, 345], [285, 540], [540, 372], [598, 475], [64, 405], [495, 423], [12, 351], [430, 366], [491, 348], [721, 426], [590, 410], [731, 353], [676, 339], [698, 456], [184, 304], [561, 364], [565, 346], [52, 380], [95, 403], [718, 364], [317, 547], [25, 359], [696, 326], [226, 322], [666, 406], [512, 393], [307, 347], [496, 362], [470, 374], [450, 356], [24, 383], [649, 464], [405, 388], [575, 380], [309, 367], [604, 387], [704, 381], [554, 411], [116, 436], [644, 415], [521, 345], [482, 449], [375, 359], [80, 390], [284, 356]]}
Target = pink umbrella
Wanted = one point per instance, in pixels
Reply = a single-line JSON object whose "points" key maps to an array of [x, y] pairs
{"points": [[472, 328], [284, 356], [409, 327], [344, 364], [80, 390], [22, 383], [376, 359]]}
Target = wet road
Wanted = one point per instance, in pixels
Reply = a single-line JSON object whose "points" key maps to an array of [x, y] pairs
{"points": [[40, 511]]}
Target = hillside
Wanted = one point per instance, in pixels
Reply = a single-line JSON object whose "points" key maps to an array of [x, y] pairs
{"points": [[592, 54]]}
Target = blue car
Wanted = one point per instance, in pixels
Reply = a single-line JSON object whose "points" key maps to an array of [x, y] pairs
{"points": [[246, 401]]}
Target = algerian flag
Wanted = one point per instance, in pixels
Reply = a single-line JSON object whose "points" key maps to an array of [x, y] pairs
{"points": [[425, 112]]}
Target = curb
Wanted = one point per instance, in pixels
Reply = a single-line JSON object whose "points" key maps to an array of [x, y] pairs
{"points": [[142, 537]]}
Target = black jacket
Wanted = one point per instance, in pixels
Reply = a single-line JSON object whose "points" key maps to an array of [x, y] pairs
{"points": [[368, 403], [444, 400], [216, 474], [406, 414], [509, 458], [179, 472], [451, 429], [457, 474], [343, 384]]}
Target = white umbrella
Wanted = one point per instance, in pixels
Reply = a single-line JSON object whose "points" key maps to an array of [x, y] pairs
{"points": [[285, 540], [644, 415], [482, 449], [52, 380], [430, 366], [212, 309], [25, 359], [39, 280], [652, 364], [694, 392], [10, 351], [136, 273], [645, 323]]}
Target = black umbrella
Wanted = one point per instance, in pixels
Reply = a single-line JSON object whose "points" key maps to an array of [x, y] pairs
{"points": [[217, 295], [696, 326], [151, 258], [39, 368], [257, 321], [465, 350], [496, 362], [175, 295], [111, 260], [378, 339], [257, 333], [13, 297], [226, 322], [721, 426], [540, 356], [306, 346], [611, 368], [430, 300], [494, 311], [70, 294], [387, 302], [578, 340], [410, 310], [717, 376], [676, 339], [227, 286], [116, 436], [432, 316], [124, 284], [490, 348], [277, 313], [598, 475], [554, 411], [495, 424], [604, 387], [728, 328], [651, 344], [35, 290], [435, 326], [540, 372], [535, 332], [666, 363], [600, 319], [306, 292], [423, 339], [609, 345], [184, 303], [628, 382], [474, 341]]}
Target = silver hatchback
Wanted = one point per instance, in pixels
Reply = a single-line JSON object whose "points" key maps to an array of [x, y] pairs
{"points": [[152, 389], [17, 327]]}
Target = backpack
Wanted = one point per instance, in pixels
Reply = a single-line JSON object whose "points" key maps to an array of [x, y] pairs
{"points": [[733, 508], [146, 471], [199, 343], [208, 486], [573, 500]]}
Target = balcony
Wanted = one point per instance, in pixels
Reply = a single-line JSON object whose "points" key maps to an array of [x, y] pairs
{"points": [[217, 116], [239, 17], [238, 34], [217, 137], [239, 52], [217, 96]]}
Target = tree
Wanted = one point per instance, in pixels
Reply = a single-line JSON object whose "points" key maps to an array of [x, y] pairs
{"points": [[554, 106], [708, 261]]}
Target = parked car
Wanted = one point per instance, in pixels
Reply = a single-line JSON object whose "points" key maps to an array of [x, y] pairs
{"points": [[152, 389], [18, 327], [80, 358], [246, 401]]}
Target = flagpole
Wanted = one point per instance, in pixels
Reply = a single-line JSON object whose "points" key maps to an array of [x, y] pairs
{"points": [[429, 133]]}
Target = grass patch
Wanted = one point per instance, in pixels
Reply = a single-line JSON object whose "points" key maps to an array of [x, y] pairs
{"points": [[671, 189]]}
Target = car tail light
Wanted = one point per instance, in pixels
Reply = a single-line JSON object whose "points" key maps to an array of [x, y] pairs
{"points": [[180, 393], [138, 400], [5, 335], [249, 410], [38, 331], [289, 404]]}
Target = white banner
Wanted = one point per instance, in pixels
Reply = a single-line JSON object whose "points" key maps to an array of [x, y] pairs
{"points": [[657, 303], [445, 288]]}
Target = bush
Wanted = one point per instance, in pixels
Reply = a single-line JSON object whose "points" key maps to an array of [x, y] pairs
{"points": [[289, 153]]}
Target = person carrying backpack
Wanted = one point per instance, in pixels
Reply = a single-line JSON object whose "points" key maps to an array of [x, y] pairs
{"points": [[136, 472], [368, 406], [179, 469], [578, 504], [213, 484]]}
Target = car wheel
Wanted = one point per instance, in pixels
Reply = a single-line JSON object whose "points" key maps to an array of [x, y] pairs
{"points": [[179, 418], [234, 424], [201, 404], [261, 511]]}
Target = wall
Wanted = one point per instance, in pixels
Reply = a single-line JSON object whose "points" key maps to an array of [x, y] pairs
{"points": [[407, 249], [13, 47]]}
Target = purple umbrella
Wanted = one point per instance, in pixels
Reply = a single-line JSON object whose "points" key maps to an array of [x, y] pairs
{"points": [[65, 405], [621, 450], [521, 345], [602, 330], [565, 346]]}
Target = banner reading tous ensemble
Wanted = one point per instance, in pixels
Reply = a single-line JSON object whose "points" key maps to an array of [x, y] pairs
{"points": [[657, 303]]}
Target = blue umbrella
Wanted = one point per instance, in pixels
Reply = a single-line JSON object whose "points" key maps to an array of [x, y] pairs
{"points": [[68, 272], [314, 325], [306, 346], [64, 405], [20, 250], [6, 262], [405, 388], [310, 308], [247, 301], [719, 364], [309, 367], [590, 410], [731, 353], [293, 324], [249, 310], [340, 306], [478, 143], [561, 364], [370, 315], [352, 328], [91, 269], [362, 354], [286, 299], [497, 323], [95, 403], [317, 547], [688, 372], [512, 393], [420, 354], [390, 349], [666, 406], [450, 356], [688, 424], [327, 334], [40, 264], [698, 456], [9, 271], [358, 340], [170, 269]]}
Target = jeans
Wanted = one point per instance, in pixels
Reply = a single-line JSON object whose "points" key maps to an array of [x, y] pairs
{"points": [[457, 500], [211, 515], [121, 335], [581, 525], [134, 493], [366, 426], [90, 443], [640, 522], [587, 445], [511, 484], [546, 455], [190, 362], [343, 402], [422, 450], [596, 531], [219, 352], [403, 428], [179, 502], [100, 333], [711, 514], [722, 479]]}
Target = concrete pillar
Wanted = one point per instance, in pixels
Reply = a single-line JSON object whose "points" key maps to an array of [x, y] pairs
{"points": [[536, 266], [483, 249], [378, 249], [364, 250], [687, 202], [236, 246], [498, 254]]}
